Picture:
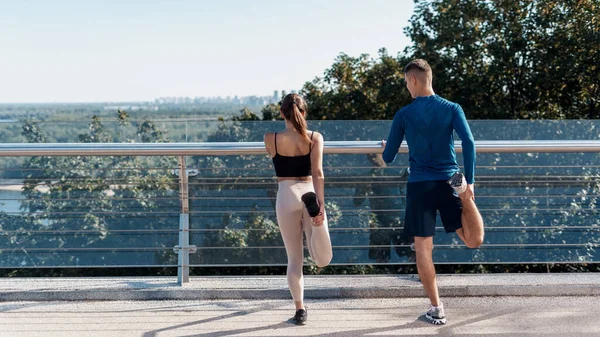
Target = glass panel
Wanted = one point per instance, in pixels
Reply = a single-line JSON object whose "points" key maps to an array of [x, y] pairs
{"points": [[90, 211], [212, 130], [537, 207]]}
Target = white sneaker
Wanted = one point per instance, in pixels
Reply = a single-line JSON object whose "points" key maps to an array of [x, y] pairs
{"points": [[436, 314]]}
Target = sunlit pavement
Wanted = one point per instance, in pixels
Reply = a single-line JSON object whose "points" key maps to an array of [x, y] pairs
{"points": [[467, 316]]}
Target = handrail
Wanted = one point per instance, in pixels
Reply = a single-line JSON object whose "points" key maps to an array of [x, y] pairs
{"points": [[258, 148]]}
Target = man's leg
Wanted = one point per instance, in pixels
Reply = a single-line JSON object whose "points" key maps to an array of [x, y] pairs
{"points": [[421, 201], [426, 269], [472, 231]]}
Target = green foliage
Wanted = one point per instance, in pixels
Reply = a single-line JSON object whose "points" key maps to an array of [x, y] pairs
{"points": [[512, 59], [246, 115], [499, 59], [271, 112], [245, 235], [358, 88]]}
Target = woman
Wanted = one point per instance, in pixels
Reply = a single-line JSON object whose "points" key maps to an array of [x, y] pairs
{"points": [[298, 160]]}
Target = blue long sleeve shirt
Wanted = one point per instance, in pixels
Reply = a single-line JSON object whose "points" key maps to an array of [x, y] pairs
{"points": [[428, 124]]}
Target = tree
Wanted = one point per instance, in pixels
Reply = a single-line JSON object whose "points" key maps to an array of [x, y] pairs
{"points": [[271, 112], [358, 88], [512, 59], [499, 59], [246, 115]]}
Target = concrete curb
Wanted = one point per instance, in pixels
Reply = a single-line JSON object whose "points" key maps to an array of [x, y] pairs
{"points": [[275, 287], [322, 293]]}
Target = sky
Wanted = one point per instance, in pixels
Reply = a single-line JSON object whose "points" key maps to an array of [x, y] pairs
{"points": [[127, 50]]}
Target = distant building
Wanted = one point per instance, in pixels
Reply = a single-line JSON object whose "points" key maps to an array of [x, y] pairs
{"points": [[248, 100]]}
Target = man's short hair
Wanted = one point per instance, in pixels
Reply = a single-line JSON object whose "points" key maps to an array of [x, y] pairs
{"points": [[419, 65]]}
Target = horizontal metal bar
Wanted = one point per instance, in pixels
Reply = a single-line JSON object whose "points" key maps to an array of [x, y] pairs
{"points": [[336, 197], [333, 229], [407, 263], [91, 231], [393, 197], [93, 199], [89, 249], [258, 148], [91, 266], [335, 247], [143, 214], [93, 169], [251, 211], [453, 246], [331, 181], [481, 209], [437, 228], [247, 169]]}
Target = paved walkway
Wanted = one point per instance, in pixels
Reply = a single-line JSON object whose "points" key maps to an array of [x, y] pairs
{"points": [[275, 287], [467, 316]]}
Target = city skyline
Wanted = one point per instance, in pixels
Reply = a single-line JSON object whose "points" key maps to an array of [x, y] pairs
{"points": [[252, 99], [179, 100], [117, 51]]}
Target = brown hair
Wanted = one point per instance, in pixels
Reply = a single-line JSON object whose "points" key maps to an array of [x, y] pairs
{"points": [[292, 107], [420, 66]]}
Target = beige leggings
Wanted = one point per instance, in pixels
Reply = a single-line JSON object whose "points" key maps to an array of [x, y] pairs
{"points": [[293, 218]]}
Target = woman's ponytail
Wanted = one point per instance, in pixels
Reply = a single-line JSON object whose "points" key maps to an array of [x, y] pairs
{"points": [[293, 107]]}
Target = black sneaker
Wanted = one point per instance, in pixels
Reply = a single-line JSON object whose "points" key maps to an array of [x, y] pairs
{"points": [[458, 182], [300, 317], [312, 205]]}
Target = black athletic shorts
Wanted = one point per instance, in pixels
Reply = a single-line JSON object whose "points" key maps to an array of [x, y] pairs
{"points": [[423, 200]]}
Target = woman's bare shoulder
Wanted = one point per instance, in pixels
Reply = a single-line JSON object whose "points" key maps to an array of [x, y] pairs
{"points": [[268, 135], [316, 136]]}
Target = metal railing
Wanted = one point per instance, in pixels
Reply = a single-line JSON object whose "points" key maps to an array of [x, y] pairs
{"points": [[182, 150], [257, 148]]}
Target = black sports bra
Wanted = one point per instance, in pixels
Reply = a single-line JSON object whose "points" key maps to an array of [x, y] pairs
{"points": [[292, 166]]}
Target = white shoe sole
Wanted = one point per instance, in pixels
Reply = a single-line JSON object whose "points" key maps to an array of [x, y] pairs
{"points": [[436, 321]]}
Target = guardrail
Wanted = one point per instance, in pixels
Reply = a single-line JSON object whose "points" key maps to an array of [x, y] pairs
{"points": [[257, 148], [183, 150]]}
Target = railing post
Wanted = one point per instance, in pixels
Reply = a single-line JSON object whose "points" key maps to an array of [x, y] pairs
{"points": [[183, 249]]}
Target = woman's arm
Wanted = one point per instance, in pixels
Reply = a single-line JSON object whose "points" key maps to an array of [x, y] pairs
{"points": [[269, 144]]}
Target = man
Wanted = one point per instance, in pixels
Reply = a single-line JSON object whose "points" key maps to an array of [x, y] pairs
{"points": [[435, 183]]}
